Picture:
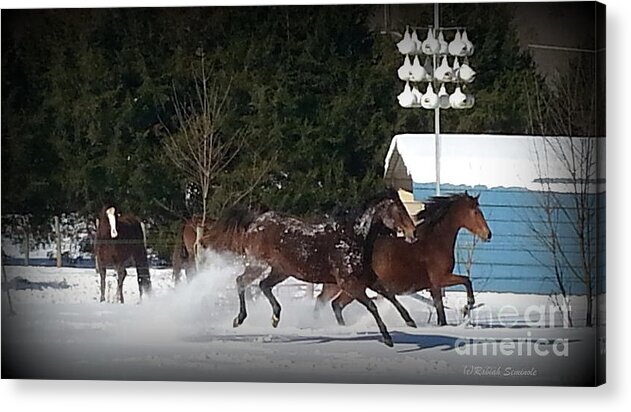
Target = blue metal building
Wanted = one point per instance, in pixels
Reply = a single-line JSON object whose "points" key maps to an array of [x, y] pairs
{"points": [[543, 197]]}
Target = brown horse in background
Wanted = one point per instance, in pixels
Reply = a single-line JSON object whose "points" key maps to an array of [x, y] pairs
{"points": [[119, 244], [330, 252], [403, 268], [184, 252]]}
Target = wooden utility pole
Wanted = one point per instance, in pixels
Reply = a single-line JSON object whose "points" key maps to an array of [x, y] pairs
{"points": [[58, 240], [27, 244]]}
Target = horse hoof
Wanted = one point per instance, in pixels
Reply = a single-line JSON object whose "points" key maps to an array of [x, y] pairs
{"points": [[388, 341], [411, 324], [102, 299], [237, 322], [275, 320]]}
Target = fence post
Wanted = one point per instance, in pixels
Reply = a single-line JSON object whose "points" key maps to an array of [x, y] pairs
{"points": [[6, 282], [58, 240]]}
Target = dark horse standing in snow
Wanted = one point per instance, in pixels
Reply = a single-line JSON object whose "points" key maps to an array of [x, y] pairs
{"points": [[403, 268], [120, 244], [330, 252]]}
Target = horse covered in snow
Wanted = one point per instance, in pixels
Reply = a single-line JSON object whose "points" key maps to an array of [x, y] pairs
{"points": [[330, 252], [119, 244]]}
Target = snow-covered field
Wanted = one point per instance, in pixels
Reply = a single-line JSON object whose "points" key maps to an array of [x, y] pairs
{"points": [[61, 331]]}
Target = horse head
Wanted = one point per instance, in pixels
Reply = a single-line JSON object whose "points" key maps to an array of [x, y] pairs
{"points": [[109, 214], [472, 217], [389, 210]]}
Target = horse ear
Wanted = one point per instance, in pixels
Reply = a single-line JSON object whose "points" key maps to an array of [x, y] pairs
{"points": [[466, 193], [476, 197]]}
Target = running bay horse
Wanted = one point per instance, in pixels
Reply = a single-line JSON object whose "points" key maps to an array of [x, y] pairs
{"points": [[183, 257], [403, 268], [119, 244], [330, 253]]}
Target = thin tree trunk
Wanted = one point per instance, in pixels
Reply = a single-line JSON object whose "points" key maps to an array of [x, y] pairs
{"points": [[199, 232], [96, 256], [588, 315]]}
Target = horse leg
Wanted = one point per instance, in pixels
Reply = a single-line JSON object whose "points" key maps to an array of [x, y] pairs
{"points": [[251, 273], [329, 291], [191, 270], [452, 280], [177, 265], [438, 304], [122, 273], [102, 271], [266, 285], [144, 280], [177, 274], [357, 290], [338, 304], [379, 288]]}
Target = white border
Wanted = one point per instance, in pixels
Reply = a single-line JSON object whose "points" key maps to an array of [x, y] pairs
{"points": [[95, 396]]}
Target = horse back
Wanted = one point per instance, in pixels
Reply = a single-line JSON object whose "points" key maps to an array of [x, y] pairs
{"points": [[303, 250]]}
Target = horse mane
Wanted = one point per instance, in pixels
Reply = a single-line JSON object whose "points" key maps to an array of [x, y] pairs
{"points": [[436, 208], [347, 216], [227, 231], [377, 228], [389, 193], [235, 219]]}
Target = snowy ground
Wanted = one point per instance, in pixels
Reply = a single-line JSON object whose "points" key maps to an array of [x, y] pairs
{"points": [[61, 331]]}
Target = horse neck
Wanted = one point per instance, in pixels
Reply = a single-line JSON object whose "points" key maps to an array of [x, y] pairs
{"points": [[368, 241], [363, 224], [446, 231]]}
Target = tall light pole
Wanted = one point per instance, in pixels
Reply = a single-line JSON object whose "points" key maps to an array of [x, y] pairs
{"points": [[437, 113], [437, 76]]}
